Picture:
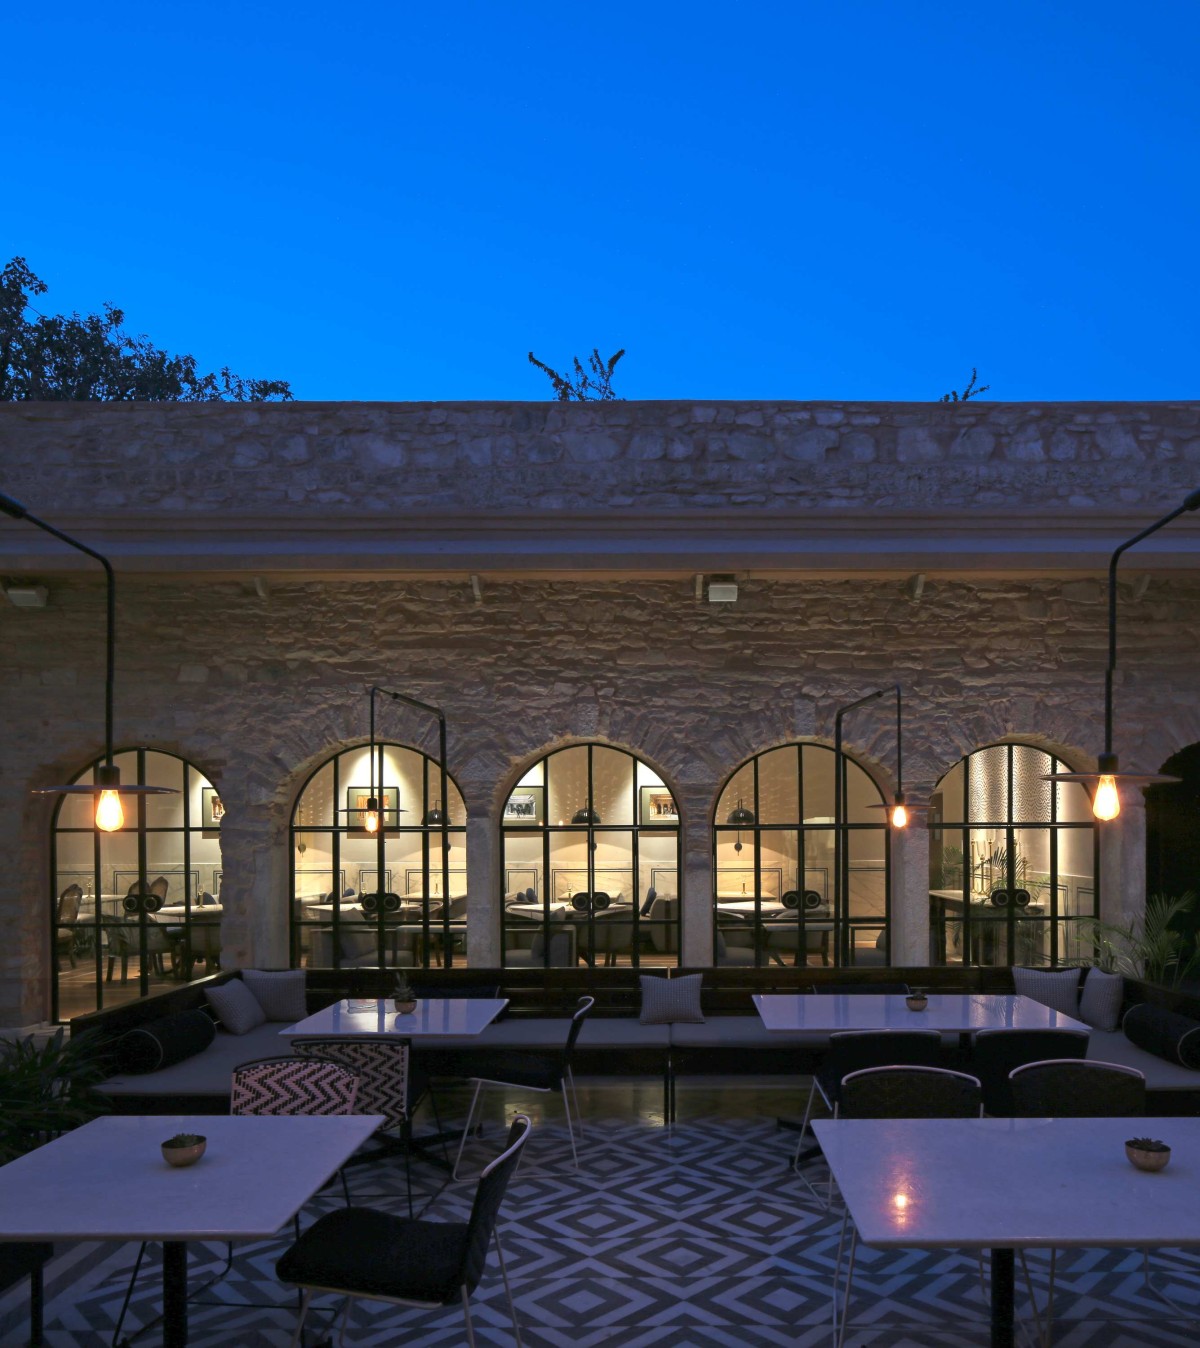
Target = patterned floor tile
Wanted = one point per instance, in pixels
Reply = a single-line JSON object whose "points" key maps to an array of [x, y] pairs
{"points": [[696, 1237]]}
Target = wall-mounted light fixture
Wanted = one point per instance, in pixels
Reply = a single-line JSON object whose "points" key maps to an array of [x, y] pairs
{"points": [[722, 589], [27, 596], [1106, 803], [107, 786]]}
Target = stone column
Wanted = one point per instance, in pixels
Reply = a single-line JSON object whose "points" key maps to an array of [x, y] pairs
{"points": [[910, 895], [1123, 861], [483, 903], [696, 884]]}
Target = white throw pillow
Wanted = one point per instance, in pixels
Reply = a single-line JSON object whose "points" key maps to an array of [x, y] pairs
{"points": [[1056, 988], [281, 995], [1101, 998], [236, 1006]]}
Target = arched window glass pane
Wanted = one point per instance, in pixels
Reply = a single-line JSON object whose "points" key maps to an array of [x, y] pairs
{"points": [[135, 911], [1012, 861], [782, 894], [590, 861], [391, 897]]}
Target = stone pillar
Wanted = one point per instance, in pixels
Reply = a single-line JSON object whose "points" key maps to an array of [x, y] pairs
{"points": [[483, 903], [1123, 861], [696, 885], [910, 895]]}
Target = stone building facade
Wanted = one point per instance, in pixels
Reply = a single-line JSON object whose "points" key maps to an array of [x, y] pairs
{"points": [[273, 561]]}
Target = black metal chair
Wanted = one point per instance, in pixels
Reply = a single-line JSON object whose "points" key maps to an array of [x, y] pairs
{"points": [[362, 1252], [534, 1071], [909, 1092], [995, 1053], [1076, 1088], [854, 1051]]}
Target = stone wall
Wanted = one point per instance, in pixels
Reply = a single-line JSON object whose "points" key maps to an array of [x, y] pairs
{"points": [[256, 690]]}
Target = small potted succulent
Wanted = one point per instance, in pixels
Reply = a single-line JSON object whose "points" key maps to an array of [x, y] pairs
{"points": [[184, 1149], [1147, 1153], [403, 997], [916, 1000]]}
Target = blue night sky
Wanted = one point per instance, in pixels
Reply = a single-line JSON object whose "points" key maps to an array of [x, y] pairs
{"points": [[767, 200]]}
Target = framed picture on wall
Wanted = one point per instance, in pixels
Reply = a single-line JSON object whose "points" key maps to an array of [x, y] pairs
{"points": [[211, 809], [356, 805], [526, 805], [658, 807]]}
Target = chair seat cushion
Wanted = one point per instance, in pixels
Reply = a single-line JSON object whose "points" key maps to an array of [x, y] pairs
{"points": [[371, 1253]]}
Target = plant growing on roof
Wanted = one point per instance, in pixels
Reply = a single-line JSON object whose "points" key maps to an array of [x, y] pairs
{"points": [[969, 392], [583, 387]]}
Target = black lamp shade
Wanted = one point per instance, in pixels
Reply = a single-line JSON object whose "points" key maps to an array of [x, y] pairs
{"points": [[436, 815], [740, 817], [585, 815]]}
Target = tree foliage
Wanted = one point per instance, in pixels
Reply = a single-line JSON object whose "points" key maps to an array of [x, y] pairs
{"points": [[583, 387], [90, 358], [969, 392]]}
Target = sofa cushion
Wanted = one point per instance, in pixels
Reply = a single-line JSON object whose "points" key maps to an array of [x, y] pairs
{"points": [[207, 1073], [1161, 1075], [1100, 1000], [1056, 988], [281, 995], [236, 1006], [741, 1032], [160, 1043], [667, 1000], [1164, 1033]]}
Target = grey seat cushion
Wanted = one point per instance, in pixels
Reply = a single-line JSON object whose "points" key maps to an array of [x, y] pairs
{"points": [[208, 1073], [1112, 1046], [740, 1032], [600, 1032]]}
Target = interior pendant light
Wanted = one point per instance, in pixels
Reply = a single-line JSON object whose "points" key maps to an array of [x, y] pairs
{"points": [[106, 785], [1106, 803], [436, 815], [742, 818], [585, 815]]}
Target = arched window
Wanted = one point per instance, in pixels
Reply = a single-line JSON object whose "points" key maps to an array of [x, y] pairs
{"points": [[785, 890], [1012, 861], [589, 848], [393, 897], [132, 910]]}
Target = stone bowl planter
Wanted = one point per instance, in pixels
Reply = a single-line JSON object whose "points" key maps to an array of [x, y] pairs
{"points": [[1147, 1153], [184, 1149]]}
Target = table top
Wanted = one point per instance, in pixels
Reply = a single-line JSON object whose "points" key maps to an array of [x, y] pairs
{"points": [[768, 907], [108, 1180], [981, 1183], [789, 1012], [435, 1017], [197, 909], [355, 912], [536, 910]]}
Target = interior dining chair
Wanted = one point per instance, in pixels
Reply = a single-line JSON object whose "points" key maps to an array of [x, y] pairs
{"points": [[66, 916], [372, 1255], [534, 1071], [895, 1092], [1075, 1088], [285, 1085], [854, 1051]]}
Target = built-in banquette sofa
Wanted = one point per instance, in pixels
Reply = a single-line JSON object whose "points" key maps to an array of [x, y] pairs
{"points": [[730, 1041]]}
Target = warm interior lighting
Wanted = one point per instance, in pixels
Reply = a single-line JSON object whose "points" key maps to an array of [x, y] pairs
{"points": [[371, 817], [1107, 803], [900, 1201], [109, 814], [899, 811]]}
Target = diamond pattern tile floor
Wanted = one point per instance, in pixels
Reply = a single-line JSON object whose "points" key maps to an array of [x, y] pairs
{"points": [[698, 1238]]}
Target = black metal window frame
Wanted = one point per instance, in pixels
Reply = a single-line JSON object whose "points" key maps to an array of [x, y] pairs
{"points": [[1011, 917], [93, 927], [384, 924], [634, 830], [842, 944]]}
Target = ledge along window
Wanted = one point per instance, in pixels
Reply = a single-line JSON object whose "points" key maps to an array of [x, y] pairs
{"points": [[780, 894], [589, 850], [388, 897], [1012, 861], [135, 910]]}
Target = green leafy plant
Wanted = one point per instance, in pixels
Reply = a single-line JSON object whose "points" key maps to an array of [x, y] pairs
{"points": [[184, 1140], [46, 1089], [1147, 1144], [1149, 946], [403, 992], [583, 387]]}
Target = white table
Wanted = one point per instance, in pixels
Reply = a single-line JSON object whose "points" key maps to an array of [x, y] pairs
{"points": [[435, 1018], [1005, 1184], [788, 1013], [108, 1181], [175, 910], [767, 907]]}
